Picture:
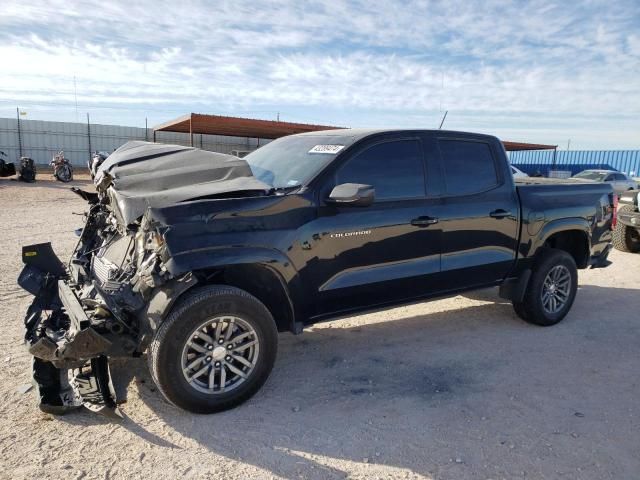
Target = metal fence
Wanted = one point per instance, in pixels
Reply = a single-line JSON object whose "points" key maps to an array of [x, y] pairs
{"points": [[40, 140], [626, 161]]}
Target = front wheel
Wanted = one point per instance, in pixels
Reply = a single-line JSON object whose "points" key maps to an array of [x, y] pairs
{"points": [[551, 290], [64, 173], [626, 238], [215, 349], [28, 174]]}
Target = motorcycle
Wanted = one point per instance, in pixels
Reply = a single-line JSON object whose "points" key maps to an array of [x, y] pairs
{"points": [[62, 168], [96, 160], [27, 172], [6, 169]]}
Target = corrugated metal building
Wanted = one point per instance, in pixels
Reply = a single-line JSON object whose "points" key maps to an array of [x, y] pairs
{"points": [[42, 139], [626, 161]]}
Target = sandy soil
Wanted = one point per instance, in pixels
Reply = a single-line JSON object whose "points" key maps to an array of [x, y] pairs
{"points": [[458, 388]]}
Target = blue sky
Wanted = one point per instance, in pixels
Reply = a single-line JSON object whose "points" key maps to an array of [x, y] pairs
{"points": [[534, 71]]}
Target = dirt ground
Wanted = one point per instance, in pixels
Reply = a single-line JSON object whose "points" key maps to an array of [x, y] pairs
{"points": [[458, 388]]}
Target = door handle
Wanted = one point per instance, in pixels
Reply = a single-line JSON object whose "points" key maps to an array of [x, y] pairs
{"points": [[500, 213], [424, 221]]}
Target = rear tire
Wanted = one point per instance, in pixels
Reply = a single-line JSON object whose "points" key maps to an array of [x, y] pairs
{"points": [[190, 341], [28, 174], [64, 174], [551, 290], [625, 238]]}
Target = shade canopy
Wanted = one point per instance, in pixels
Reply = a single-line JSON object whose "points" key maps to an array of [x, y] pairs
{"points": [[515, 146], [236, 126], [271, 129]]}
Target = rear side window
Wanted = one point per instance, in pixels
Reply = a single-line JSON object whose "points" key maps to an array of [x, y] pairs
{"points": [[619, 176], [468, 166], [395, 169]]}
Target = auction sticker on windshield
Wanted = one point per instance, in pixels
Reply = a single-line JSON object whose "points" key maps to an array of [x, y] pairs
{"points": [[332, 149]]}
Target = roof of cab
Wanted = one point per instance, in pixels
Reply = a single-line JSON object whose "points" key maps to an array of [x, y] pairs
{"points": [[360, 133]]}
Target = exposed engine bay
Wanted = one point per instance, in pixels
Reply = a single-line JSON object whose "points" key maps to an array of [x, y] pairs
{"points": [[111, 296]]}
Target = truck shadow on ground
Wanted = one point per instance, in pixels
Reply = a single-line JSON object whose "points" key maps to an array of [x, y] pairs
{"points": [[403, 393]]}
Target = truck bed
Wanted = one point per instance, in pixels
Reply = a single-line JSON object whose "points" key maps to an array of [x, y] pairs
{"points": [[548, 201]]}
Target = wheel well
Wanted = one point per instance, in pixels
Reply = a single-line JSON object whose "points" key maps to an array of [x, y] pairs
{"points": [[574, 242], [261, 282]]}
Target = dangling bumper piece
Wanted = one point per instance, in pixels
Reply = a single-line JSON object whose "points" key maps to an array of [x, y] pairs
{"points": [[70, 366]]}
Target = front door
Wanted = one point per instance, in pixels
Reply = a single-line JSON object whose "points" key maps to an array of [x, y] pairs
{"points": [[383, 253]]}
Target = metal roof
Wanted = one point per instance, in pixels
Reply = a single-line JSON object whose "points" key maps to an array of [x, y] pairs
{"points": [[516, 146], [235, 126], [271, 129]]}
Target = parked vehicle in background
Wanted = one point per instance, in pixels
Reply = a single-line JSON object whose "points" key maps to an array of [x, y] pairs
{"points": [[7, 169], [619, 181], [27, 171], [517, 173], [62, 168], [626, 235], [203, 268], [240, 153], [96, 160]]}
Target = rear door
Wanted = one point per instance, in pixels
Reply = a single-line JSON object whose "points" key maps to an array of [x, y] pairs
{"points": [[621, 183], [480, 212], [383, 253]]}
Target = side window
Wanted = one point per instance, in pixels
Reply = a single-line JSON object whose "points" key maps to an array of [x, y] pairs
{"points": [[610, 178], [395, 169], [620, 177], [468, 166]]}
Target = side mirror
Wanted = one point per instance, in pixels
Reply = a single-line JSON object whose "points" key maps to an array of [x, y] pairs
{"points": [[352, 194]]}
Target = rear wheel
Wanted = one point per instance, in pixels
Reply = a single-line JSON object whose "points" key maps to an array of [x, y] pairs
{"points": [[551, 290], [28, 174], [64, 173], [214, 351], [625, 238]]}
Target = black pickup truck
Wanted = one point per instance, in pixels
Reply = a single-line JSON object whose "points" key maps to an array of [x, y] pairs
{"points": [[200, 259]]}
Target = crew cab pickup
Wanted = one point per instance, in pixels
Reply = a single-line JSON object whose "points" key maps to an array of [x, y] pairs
{"points": [[200, 259]]}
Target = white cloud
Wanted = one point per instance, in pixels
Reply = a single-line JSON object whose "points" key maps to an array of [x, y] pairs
{"points": [[377, 61]]}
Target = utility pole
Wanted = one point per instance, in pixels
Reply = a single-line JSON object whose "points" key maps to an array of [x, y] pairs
{"points": [[89, 136], [146, 130], [75, 95], [19, 131], [568, 144]]}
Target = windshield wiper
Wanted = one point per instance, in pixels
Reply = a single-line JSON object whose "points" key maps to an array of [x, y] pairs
{"points": [[284, 190]]}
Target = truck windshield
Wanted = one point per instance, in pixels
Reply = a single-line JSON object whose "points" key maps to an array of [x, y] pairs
{"points": [[293, 161], [596, 176]]}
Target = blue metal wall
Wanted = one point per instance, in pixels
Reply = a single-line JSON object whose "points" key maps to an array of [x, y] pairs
{"points": [[626, 161]]}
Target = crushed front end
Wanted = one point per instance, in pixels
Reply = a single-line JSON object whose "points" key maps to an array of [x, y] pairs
{"points": [[89, 310], [115, 291]]}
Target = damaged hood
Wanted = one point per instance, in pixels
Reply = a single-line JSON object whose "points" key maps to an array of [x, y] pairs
{"points": [[140, 174]]}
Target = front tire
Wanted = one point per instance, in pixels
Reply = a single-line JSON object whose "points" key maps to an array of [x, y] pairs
{"points": [[64, 173], [625, 238], [215, 349], [551, 290], [28, 175]]}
